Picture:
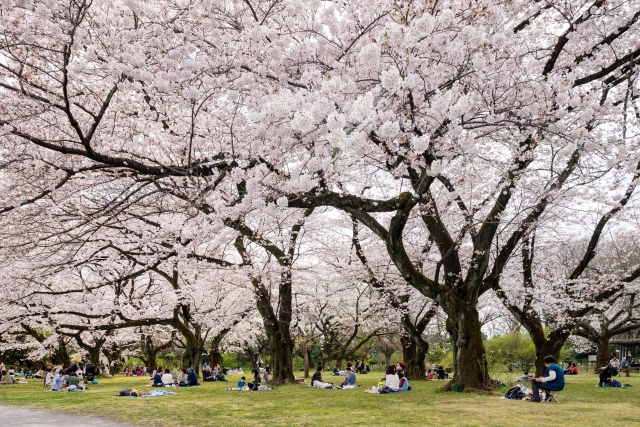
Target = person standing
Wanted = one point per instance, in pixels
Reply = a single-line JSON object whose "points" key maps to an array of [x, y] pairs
{"points": [[553, 379]]}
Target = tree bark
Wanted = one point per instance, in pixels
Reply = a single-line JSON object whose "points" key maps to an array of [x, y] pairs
{"points": [[603, 354], [469, 351], [192, 353], [215, 356], [549, 346], [306, 357], [414, 353], [61, 353]]}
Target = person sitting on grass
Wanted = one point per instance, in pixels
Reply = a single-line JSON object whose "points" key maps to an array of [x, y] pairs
{"points": [[553, 379], [391, 381], [400, 370], [56, 383], [605, 376], [430, 375], [192, 378], [242, 382], [336, 371], [167, 378], [256, 379], [157, 379], [316, 379], [207, 375], [182, 378], [349, 379], [6, 378], [73, 379]]}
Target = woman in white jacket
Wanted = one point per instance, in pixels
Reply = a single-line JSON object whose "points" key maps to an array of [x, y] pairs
{"points": [[391, 381], [167, 378]]}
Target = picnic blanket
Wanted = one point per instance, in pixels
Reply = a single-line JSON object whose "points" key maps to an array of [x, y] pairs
{"points": [[261, 388], [151, 393], [608, 386]]}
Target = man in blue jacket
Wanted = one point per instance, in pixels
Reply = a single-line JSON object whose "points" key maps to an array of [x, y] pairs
{"points": [[553, 379]]}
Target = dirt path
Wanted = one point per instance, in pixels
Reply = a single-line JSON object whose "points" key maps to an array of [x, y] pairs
{"points": [[26, 417]]}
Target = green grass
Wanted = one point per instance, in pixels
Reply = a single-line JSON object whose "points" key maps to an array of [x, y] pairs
{"points": [[298, 405]]}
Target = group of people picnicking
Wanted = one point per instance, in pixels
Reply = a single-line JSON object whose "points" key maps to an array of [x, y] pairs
{"points": [[394, 380], [612, 369], [75, 378], [185, 378]]}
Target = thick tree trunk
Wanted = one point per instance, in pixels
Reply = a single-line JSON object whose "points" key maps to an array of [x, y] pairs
{"points": [[192, 355], [603, 354], [61, 354], [549, 346], [453, 335], [215, 356], [470, 355], [94, 355], [277, 329], [414, 353]]}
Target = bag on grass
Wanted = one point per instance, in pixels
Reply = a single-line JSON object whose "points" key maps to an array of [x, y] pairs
{"points": [[514, 394], [125, 392], [615, 383]]}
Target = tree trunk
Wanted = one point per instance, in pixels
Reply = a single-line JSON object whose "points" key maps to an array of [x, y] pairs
{"points": [[215, 356], [192, 354], [61, 354], [453, 336], [94, 355], [277, 330], [472, 369], [306, 357], [603, 354], [414, 353], [549, 346]]}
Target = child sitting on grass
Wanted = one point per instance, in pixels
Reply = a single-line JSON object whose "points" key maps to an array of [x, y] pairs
{"points": [[242, 382]]}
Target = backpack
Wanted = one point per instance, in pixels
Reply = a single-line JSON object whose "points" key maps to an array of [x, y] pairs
{"points": [[615, 383], [125, 392], [514, 394]]}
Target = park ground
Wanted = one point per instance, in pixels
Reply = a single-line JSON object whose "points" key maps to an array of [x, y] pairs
{"points": [[582, 404]]}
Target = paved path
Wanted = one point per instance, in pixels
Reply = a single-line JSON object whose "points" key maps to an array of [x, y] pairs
{"points": [[26, 417]]}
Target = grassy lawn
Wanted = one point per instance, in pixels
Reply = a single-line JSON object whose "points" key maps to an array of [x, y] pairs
{"points": [[298, 405]]}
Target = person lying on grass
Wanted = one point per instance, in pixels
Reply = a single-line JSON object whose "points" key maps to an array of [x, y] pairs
{"points": [[391, 381], [525, 377], [552, 381], [316, 379], [349, 379]]}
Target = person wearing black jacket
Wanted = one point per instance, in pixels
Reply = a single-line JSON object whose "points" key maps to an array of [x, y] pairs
{"points": [[192, 378], [256, 380], [605, 376]]}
